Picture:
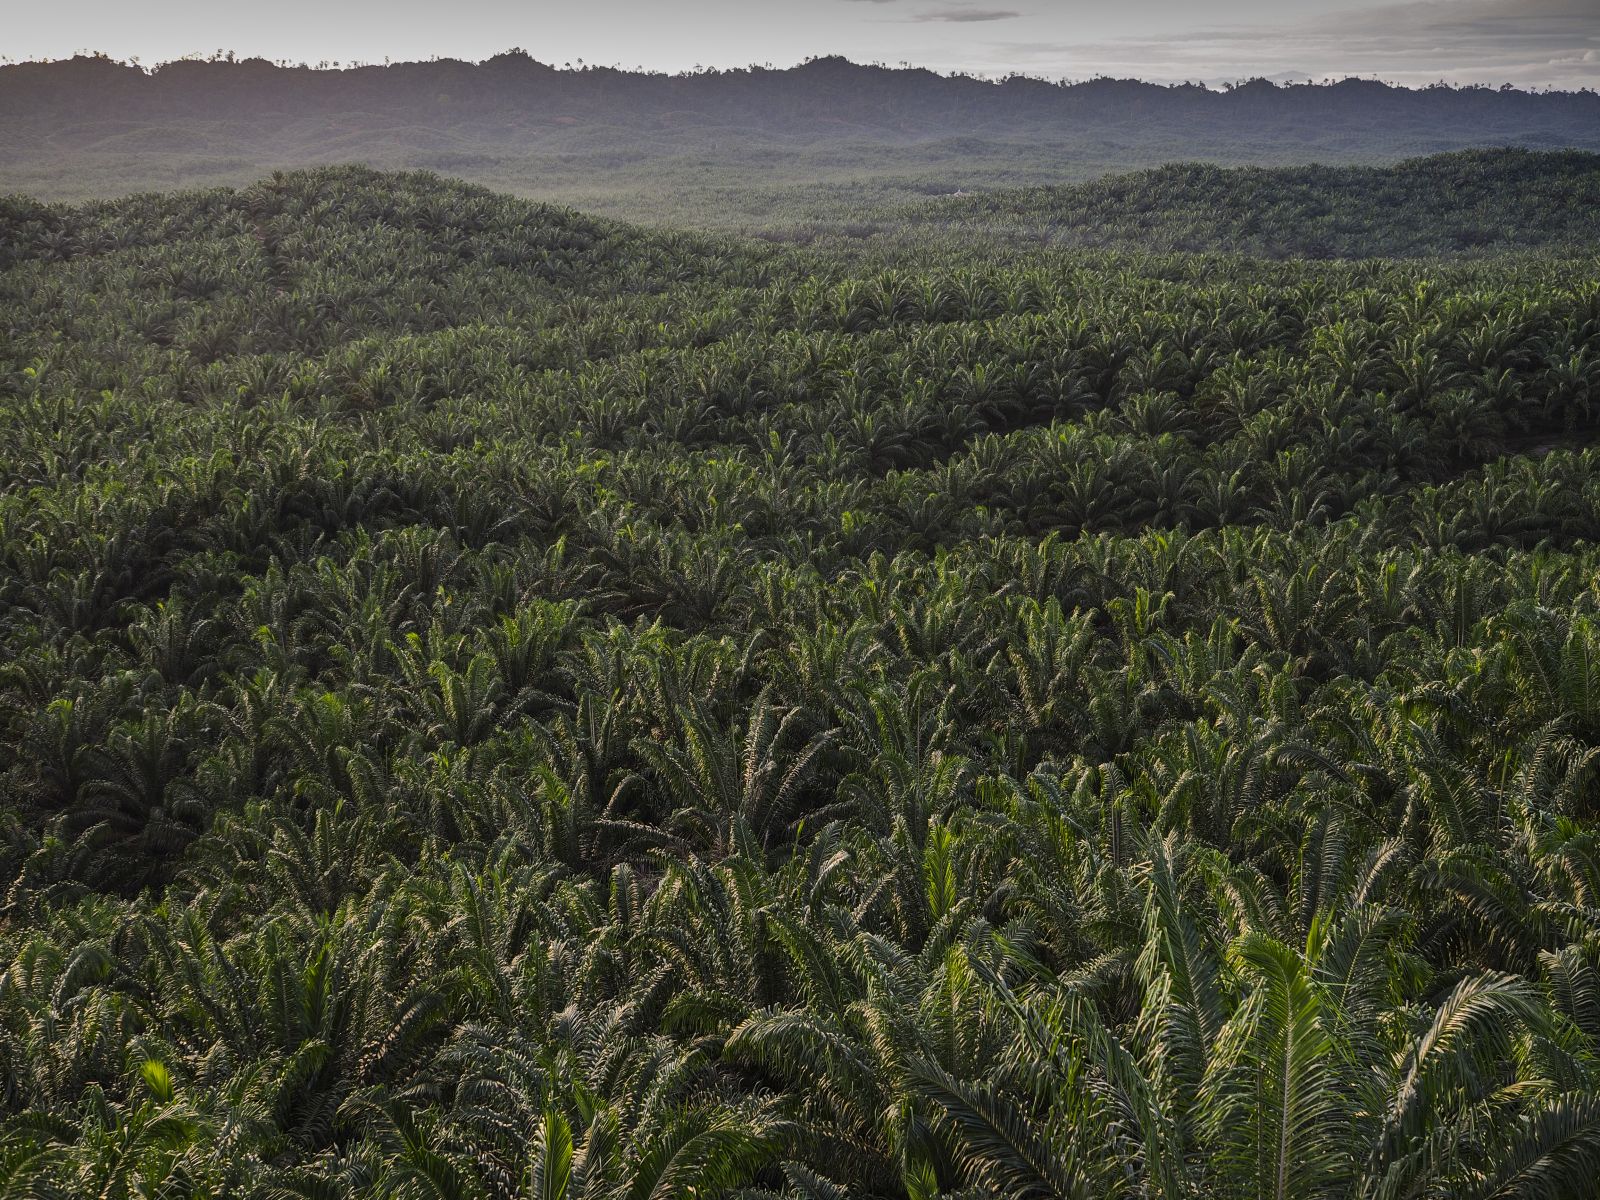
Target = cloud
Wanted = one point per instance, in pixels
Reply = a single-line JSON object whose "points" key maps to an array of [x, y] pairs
{"points": [[963, 16], [1546, 43]]}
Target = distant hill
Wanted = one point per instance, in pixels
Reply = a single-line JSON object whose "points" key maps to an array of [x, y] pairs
{"points": [[1467, 202], [756, 146], [826, 96], [471, 246]]}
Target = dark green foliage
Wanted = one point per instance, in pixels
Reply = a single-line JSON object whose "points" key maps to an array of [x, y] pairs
{"points": [[1471, 202], [495, 703]]}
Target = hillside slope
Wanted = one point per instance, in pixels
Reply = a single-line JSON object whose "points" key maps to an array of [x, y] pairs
{"points": [[494, 702]]}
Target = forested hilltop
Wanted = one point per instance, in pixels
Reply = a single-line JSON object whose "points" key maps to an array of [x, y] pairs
{"points": [[748, 147], [1485, 201], [495, 702]]}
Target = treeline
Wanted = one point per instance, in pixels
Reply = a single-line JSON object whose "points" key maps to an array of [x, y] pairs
{"points": [[824, 90], [498, 703]]}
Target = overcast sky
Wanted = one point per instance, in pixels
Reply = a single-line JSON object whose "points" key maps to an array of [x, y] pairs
{"points": [[1525, 42]]}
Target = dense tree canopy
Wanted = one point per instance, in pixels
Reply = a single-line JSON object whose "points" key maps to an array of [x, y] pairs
{"points": [[497, 703], [1448, 204]]}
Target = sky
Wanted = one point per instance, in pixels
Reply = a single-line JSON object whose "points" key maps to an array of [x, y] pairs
{"points": [[1529, 43]]}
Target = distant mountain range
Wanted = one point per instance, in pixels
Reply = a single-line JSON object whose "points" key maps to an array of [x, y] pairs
{"points": [[93, 126], [824, 96]]}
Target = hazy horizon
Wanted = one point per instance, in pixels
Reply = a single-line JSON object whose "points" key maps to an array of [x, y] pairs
{"points": [[1527, 43]]}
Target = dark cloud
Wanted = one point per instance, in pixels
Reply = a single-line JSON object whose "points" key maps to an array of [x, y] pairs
{"points": [[963, 16]]}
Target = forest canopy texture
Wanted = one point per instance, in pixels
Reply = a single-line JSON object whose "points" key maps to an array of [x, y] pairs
{"points": [[501, 703]]}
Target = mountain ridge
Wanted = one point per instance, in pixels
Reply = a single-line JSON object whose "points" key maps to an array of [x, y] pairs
{"points": [[817, 88]]}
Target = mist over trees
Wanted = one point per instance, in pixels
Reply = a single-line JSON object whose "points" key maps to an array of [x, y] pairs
{"points": [[618, 140]]}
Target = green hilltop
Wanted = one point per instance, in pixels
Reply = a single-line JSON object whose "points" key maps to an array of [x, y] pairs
{"points": [[1470, 201]]}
